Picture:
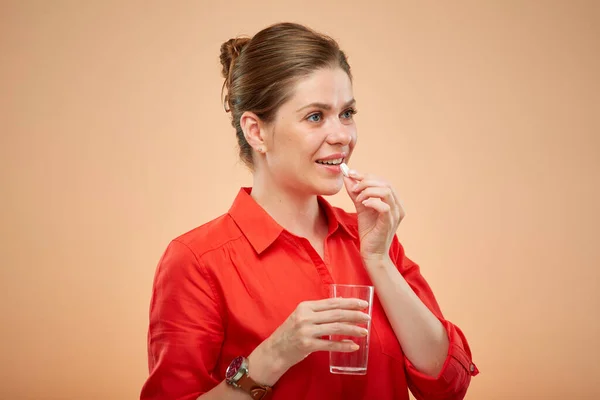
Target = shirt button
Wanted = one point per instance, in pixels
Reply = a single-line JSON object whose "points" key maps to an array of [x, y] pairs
{"points": [[472, 367]]}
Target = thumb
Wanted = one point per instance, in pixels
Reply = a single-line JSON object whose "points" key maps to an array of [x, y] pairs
{"points": [[349, 184]]}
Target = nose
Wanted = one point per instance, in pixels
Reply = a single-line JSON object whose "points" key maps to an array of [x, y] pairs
{"points": [[340, 134]]}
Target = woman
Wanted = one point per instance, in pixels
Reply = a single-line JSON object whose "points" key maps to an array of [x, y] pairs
{"points": [[251, 286]]}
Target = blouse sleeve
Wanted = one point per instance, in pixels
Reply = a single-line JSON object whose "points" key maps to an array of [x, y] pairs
{"points": [[185, 328], [453, 380]]}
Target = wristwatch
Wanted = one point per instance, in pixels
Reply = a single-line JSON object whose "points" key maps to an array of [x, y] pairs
{"points": [[237, 376]]}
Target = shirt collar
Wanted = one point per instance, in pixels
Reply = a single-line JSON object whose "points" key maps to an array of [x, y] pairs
{"points": [[262, 230]]}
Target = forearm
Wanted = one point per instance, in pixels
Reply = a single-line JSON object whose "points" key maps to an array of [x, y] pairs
{"points": [[223, 391], [422, 336]]}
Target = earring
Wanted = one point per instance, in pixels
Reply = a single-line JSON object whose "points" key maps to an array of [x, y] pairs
{"points": [[261, 149]]}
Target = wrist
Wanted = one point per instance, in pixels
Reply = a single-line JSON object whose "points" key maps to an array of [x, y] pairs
{"points": [[264, 366], [376, 260]]}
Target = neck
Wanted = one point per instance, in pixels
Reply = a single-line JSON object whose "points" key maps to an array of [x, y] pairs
{"points": [[298, 213]]}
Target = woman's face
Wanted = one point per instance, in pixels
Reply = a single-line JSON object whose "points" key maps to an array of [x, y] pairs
{"points": [[312, 133]]}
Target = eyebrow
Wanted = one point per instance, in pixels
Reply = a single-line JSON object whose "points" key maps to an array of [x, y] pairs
{"points": [[325, 106]]}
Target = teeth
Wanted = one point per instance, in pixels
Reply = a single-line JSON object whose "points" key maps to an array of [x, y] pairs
{"points": [[331, 162]]}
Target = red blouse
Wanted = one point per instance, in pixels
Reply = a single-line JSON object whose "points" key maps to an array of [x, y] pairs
{"points": [[224, 287]]}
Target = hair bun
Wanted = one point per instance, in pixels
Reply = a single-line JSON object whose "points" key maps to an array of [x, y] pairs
{"points": [[230, 50]]}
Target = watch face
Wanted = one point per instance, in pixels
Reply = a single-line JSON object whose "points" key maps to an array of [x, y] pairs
{"points": [[234, 367]]}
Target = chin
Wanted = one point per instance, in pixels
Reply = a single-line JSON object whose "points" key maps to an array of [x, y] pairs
{"points": [[329, 189]]}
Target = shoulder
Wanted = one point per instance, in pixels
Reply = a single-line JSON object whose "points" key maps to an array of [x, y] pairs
{"points": [[188, 256], [209, 236]]}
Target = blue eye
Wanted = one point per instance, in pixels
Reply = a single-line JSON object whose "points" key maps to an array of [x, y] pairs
{"points": [[316, 117], [348, 113]]}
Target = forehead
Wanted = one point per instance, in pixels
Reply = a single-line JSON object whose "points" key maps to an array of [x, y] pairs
{"points": [[329, 85]]}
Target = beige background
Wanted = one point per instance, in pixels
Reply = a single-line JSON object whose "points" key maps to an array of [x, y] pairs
{"points": [[483, 114]]}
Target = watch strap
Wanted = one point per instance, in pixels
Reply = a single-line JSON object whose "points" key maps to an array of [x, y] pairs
{"points": [[256, 391]]}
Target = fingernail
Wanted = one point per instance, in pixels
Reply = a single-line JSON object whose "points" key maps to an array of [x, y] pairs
{"points": [[363, 304], [355, 188], [365, 332], [355, 347]]}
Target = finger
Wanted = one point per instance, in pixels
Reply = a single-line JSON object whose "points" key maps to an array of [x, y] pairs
{"points": [[338, 303], [382, 192], [369, 182], [386, 195], [373, 182], [351, 180], [355, 175], [349, 183], [339, 315], [343, 346], [339, 328], [377, 205]]}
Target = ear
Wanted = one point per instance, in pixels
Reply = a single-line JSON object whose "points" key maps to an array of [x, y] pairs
{"points": [[253, 129]]}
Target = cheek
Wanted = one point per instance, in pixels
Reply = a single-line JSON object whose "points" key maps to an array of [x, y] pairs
{"points": [[353, 138]]}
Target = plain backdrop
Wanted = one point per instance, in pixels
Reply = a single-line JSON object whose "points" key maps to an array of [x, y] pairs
{"points": [[484, 115]]}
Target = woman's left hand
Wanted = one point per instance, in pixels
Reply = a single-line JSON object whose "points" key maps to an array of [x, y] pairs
{"points": [[379, 213]]}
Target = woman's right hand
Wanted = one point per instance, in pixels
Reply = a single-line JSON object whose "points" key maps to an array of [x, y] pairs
{"points": [[305, 331]]}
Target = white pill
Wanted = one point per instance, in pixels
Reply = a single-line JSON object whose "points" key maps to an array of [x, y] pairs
{"points": [[345, 169]]}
